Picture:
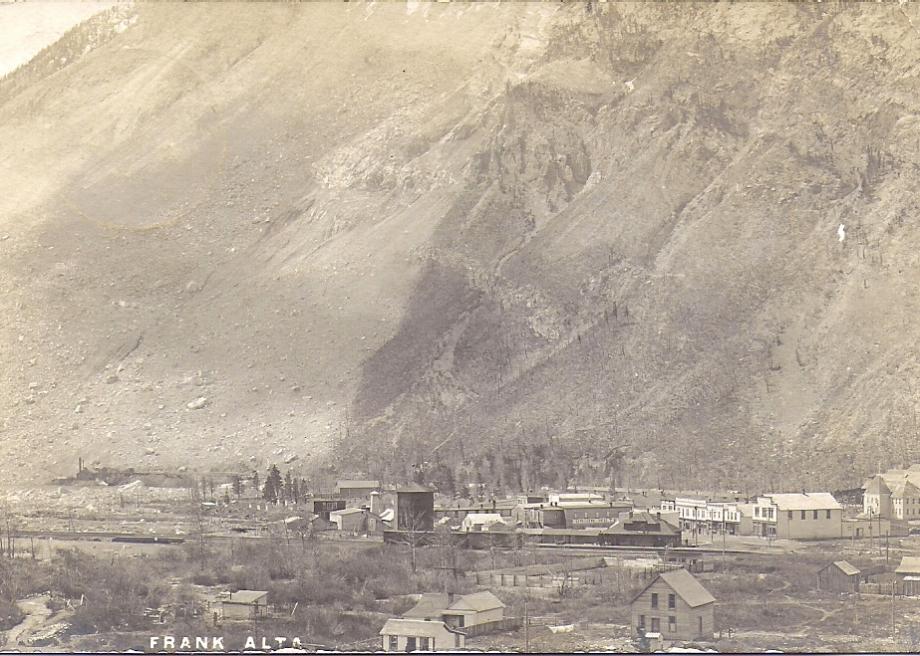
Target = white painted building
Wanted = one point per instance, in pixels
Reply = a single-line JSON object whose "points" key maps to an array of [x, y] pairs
{"points": [[408, 635], [798, 516], [704, 515], [482, 522]]}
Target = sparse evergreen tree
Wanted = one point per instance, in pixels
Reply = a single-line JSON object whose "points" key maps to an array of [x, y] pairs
{"points": [[288, 486], [238, 486], [274, 485]]}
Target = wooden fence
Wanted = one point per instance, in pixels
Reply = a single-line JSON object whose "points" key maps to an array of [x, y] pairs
{"points": [[901, 588], [506, 624], [489, 579], [574, 577]]}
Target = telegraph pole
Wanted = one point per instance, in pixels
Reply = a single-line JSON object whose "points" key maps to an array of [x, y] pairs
{"points": [[526, 620], [892, 608]]}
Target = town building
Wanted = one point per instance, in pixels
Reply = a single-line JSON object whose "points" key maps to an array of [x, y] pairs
{"points": [[324, 506], [745, 519], [243, 604], [641, 529], [455, 513], [894, 494], [574, 497], [356, 490], [482, 522], [571, 514], [539, 515], [703, 515], [408, 635], [430, 606], [350, 520], [798, 516], [474, 609], [530, 497], [877, 498], [675, 605], [866, 526], [905, 501], [839, 576], [459, 611]]}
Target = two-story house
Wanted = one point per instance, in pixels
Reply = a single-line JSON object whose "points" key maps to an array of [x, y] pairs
{"points": [[675, 605]]}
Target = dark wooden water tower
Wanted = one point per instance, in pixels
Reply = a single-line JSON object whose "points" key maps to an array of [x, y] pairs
{"points": [[414, 508]]}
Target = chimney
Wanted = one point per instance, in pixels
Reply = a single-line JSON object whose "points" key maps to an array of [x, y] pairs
{"points": [[375, 502]]}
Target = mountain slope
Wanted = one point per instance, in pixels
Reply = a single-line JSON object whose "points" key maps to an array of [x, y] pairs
{"points": [[562, 226]]}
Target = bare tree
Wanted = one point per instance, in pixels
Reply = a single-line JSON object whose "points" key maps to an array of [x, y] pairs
{"points": [[416, 532]]}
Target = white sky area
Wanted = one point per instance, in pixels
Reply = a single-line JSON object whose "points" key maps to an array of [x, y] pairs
{"points": [[27, 27]]}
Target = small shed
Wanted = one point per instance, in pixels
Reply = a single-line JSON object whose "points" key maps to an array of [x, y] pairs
{"points": [[910, 566], [244, 604], [352, 520], [838, 576]]}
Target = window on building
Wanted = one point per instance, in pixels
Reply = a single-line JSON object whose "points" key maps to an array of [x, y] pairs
{"points": [[827, 514], [656, 625], [672, 601], [790, 515], [654, 601], [803, 514], [672, 623], [814, 514], [394, 643], [642, 621]]}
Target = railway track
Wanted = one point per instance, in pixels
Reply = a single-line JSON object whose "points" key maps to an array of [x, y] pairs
{"points": [[674, 551]]}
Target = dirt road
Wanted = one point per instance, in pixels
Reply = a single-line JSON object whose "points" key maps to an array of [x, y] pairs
{"points": [[37, 614]]}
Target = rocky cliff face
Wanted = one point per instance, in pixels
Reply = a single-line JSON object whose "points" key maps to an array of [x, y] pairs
{"points": [[247, 235]]}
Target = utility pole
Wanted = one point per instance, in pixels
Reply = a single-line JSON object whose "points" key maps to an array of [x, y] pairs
{"points": [[526, 620], [892, 608], [880, 532]]}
